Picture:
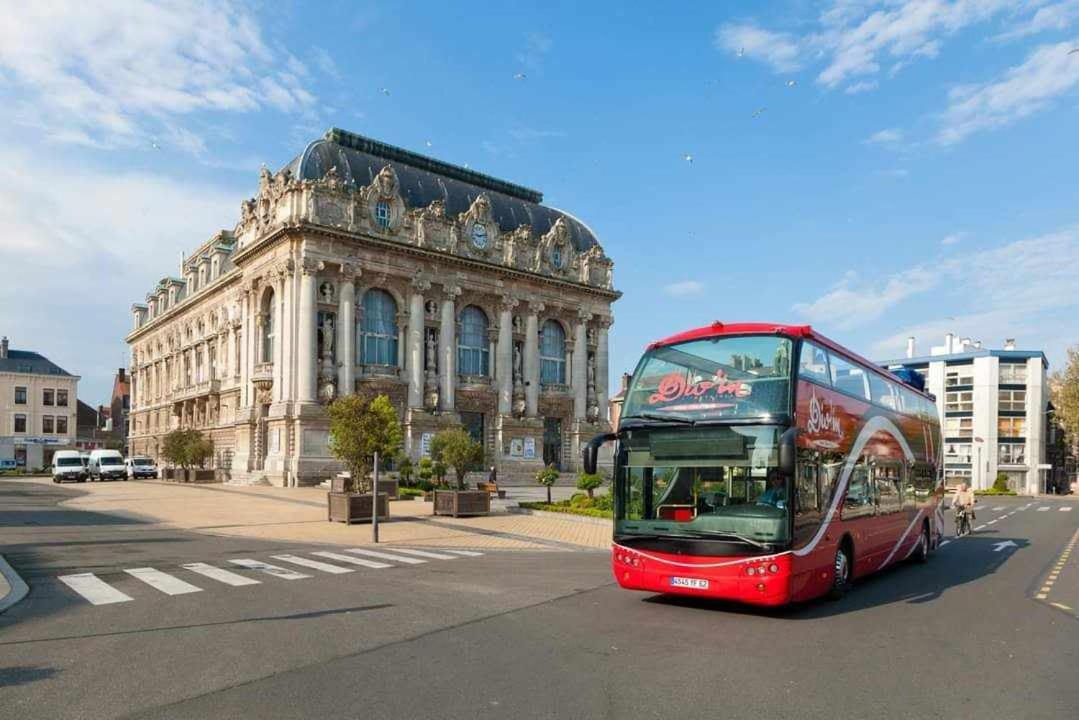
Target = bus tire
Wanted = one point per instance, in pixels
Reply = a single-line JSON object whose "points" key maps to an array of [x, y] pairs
{"points": [[842, 569], [921, 552]]}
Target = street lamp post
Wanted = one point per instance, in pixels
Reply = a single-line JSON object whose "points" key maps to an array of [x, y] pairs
{"points": [[978, 463]]}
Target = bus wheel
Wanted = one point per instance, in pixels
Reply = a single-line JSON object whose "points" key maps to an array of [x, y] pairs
{"points": [[841, 578], [921, 552]]}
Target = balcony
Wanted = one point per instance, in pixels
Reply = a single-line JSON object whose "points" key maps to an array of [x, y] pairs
{"points": [[206, 387]]}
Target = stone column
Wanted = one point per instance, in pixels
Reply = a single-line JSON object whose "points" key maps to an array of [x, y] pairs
{"points": [[415, 351], [247, 333], [346, 331], [230, 350], [287, 332], [504, 356], [531, 360], [278, 311], [447, 347], [601, 365], [580, 365], [306, 342]]}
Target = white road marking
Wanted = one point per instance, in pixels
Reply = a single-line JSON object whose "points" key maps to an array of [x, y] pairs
{"points": [[998, 508], [220, 574], [979, 527], [94, 589], [466, 553], [1062, 606], [316, 564], [386, 556], [162, 581], [283, 573], [425, 554], [349, 559], [1065, 509], [943, 543]]}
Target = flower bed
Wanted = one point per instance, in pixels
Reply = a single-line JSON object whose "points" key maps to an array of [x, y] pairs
{"points": [[565, 507]]}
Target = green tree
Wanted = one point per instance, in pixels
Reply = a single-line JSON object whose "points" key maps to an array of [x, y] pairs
{"points": [[589, 482], [404, 468], [360, 427], [1064, 392], [426, 471], [186, 448], [547, 477], [439, 469], [456, 447]]}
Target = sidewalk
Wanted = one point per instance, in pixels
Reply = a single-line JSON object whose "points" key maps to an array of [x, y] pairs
{"points": [[299, 515]]}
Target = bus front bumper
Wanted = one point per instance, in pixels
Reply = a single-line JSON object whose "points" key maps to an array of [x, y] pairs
{"points": [[756, 580]]}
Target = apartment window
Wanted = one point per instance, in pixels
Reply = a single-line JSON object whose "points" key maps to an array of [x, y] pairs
{"points": [[1013, 374], [20, 423], [47, 397], [1012, 400], [61, 425], [953, 477], [959, 401], [47, 425], [959, 427], [61, 398], [1012, 454], [1010, 427], [962, 375], [957, 453], [20, 396]]}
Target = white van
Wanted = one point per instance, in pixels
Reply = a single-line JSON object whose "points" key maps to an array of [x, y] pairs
{"points": [[67, 465], [141, 467], [107, 464]]}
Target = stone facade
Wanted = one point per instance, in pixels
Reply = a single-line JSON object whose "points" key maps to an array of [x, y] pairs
{"points": [[361, 267]]}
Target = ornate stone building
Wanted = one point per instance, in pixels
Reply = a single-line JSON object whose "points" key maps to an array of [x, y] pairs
{"points": [[362, 267]]}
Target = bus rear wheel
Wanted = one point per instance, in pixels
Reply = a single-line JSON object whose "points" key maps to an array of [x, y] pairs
{"points": [[921, 552], [841, 576]]}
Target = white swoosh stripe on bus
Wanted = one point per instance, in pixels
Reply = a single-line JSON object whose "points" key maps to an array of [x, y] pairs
{"points": [[899, 542], [871, 427]]}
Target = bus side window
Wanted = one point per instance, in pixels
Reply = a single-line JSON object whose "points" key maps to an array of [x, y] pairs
{"points": [[859, 500], [807, 489], [885, 482]]}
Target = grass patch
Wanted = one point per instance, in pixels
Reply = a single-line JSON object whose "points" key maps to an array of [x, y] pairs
{"points": [[409, 492], [565, 507], [994, 491]]}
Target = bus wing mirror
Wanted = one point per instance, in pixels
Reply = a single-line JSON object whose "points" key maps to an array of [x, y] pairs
{"points": [[590, 451], [787, 451]]}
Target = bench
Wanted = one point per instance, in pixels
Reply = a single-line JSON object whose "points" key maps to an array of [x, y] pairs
{"points": [[492, 489]]}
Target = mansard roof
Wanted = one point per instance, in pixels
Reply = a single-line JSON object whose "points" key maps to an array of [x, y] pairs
{"points": [[423, 180]]}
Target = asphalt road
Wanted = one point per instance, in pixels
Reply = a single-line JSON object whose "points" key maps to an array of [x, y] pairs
{"points": [[526, 634]]}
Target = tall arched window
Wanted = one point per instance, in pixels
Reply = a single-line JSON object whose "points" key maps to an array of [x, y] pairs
{"points": [[267, 327], [473, 354], [552, 354], [377, 338]]}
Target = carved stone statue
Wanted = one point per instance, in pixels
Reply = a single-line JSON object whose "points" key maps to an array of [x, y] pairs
{"points": [[592, 373], [431, 353], [518, 324], [325, 292], [327, 331], [518, 373]]}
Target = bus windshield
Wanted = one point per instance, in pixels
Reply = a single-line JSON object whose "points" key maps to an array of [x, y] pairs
{"points": [[714, 378], [704, 483]]}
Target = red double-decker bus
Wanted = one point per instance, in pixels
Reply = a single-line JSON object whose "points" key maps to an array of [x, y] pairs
{"points": [[768, 464]]}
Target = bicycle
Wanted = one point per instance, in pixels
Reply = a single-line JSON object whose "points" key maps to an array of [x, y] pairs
{"points": [[962, 521]]}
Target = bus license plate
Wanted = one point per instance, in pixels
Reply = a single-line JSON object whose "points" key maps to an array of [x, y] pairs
{"points": [[695, 583]]}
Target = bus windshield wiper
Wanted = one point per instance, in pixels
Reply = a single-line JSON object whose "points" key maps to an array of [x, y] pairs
{"points": [[662, 416], [697, 535]]}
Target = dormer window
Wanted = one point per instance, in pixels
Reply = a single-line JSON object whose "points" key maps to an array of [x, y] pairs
{"points": [[382, 213]]}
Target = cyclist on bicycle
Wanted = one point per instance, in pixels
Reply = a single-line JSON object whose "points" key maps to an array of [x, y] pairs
{"points": [[963, 502]]}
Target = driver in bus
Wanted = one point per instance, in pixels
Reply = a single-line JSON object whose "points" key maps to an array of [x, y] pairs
{"points": [[776, 493]]}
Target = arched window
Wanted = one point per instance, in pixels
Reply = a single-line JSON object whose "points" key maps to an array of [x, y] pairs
{"points": [[472, 347], [377, 338], [267, 327], [552, 354]]}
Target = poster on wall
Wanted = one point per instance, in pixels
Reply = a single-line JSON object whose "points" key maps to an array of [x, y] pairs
{"points": [[425, 444], [530, 448], [517, 447]]}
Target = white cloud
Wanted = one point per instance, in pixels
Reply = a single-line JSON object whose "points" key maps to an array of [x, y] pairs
{"points": [[779, 50], [107, 73], [1024, 289], [953, 238], [860, 87], [1058, 16], [536, 47], [1048, 73], [86, 244], [887, 136], [684, 288]]}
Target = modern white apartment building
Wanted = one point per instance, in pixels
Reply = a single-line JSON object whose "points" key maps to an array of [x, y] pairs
{"points": [[992, 406]]}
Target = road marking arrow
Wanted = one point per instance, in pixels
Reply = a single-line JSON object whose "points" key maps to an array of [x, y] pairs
{"points": [[1001, 545]]}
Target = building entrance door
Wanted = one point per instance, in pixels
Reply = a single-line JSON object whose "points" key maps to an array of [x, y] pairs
{"points": [[552, 442]]}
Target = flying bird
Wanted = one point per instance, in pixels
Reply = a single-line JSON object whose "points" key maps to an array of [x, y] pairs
{"points": [[741, 51], [688, 158], [1073, 51], [519, 76], [759, 111], [792, 83], [154, 145], [428, 143], [384, 91]]}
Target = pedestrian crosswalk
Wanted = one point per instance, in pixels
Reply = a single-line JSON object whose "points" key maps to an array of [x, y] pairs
{"points": [[252, 571]]}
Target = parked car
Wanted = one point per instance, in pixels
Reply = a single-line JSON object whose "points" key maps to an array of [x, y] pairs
{"points": [[140, 467], [67, 465], [107, 465]]}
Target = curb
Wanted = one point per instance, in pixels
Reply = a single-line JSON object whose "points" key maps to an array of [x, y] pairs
{"points": [[604, 522], [18, 588]]}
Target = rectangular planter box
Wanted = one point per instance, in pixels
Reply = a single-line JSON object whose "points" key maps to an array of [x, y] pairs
{"points": [[352, 507], [456, 503], [388, 487]]}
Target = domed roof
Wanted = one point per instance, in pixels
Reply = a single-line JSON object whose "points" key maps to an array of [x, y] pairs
{"points": [[423, 180]]}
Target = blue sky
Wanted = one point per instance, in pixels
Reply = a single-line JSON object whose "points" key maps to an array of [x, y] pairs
{"points": [[878, 169]]}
